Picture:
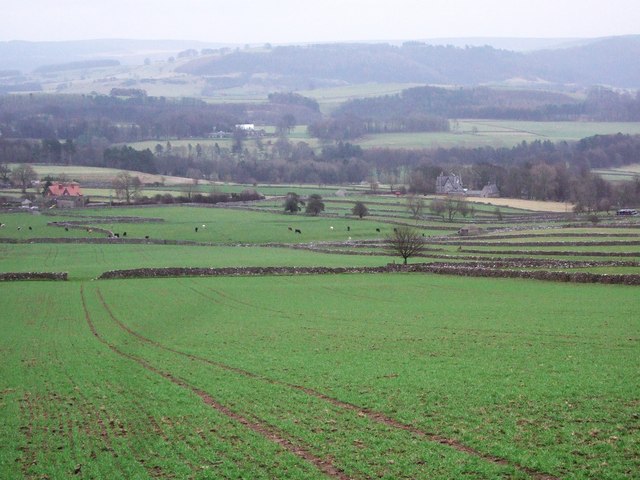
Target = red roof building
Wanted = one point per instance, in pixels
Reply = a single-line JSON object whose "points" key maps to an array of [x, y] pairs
{"points": [[66, 194], [60, 189]]}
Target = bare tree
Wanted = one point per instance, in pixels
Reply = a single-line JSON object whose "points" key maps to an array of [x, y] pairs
{"points": [[23, 175], [127, 187], [405, 242], [5, 172], [438, 208], [415, 206], [463, 208], [452, 208]]}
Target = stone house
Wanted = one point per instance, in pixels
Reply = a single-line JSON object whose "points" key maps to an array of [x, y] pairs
{"points": [[66, 194], [449, 185]]}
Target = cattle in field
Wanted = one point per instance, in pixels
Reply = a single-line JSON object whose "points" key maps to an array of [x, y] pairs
{"points": [[298, 230]]}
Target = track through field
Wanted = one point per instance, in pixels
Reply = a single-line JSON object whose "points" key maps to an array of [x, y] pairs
{"points": [[373, 415], [324, 465]]}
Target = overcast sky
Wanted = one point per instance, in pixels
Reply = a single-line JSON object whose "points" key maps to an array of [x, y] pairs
{"points": [[298, 21]]}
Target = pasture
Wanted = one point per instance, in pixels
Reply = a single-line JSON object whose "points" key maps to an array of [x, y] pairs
{"points": [[620, 174], [388, 375], [497, 133], [465, 133]]}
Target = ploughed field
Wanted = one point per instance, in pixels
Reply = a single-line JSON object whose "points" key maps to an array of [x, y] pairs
{"points": [[386, 375]]}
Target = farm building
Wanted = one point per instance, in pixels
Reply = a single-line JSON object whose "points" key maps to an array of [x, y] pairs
{"points": [[452, 185], [449, 184], [488, 191], [66, 194]]}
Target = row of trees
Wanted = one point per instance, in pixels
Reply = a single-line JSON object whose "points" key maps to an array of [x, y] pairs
{"points": [[537, 170]]}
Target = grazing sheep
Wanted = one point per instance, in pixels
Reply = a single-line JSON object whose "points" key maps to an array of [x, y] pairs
{"points": [[348, 228], [19, 228], [378, 230], [331, 228], [196, 229], [298, 231], [146, 237], [1, 225], [124, 234], [204, 226], [30, 227], [349, 238]]}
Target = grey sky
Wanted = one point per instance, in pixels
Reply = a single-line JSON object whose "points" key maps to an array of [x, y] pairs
{"points": [[292, 21]]}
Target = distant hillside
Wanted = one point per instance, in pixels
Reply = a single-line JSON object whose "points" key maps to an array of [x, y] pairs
{"points": [[610, 61], [86, 64], [28, 56]]}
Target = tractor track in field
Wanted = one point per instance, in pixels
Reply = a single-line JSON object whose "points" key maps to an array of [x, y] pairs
{"points": [[267, 431], [369, 413]]}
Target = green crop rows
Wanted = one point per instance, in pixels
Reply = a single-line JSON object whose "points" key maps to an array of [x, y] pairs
{"points": [[359, 376]]}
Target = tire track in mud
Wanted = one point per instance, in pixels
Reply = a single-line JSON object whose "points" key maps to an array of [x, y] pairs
{"points": [[266, 431], [369, 413]]}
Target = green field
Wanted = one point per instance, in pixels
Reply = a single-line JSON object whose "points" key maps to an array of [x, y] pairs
{"points": [[360, 376], [464, 133], [301, 365], [497, 133]]}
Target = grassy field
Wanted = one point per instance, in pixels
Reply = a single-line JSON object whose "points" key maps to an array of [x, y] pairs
{"points": [[464, 133], [196, 378], [331, 98], [99, 174], [314, 376], [621, 174], [497, 133]]}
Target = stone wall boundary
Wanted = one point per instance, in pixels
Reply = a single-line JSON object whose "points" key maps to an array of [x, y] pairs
{"points": [[444, 269], [21, 276]]}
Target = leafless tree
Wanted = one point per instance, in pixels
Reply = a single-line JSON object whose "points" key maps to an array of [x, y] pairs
{"points": [[438, 207], [405, 242], [415, 206], [127, 187], [23, 175]]}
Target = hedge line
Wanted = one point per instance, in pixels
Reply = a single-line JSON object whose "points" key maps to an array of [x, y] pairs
{"points": [[18, 276], [445, 269]]}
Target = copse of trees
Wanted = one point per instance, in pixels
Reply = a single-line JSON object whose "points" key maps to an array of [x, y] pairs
{"points": [[292, 203], [315, 205]]}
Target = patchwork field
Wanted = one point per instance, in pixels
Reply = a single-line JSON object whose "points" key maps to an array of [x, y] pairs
{"points": [[386, 375]]}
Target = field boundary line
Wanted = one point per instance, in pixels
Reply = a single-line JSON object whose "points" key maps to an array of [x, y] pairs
{"points": [[369, 413], [267, 431], [425, 268]]}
